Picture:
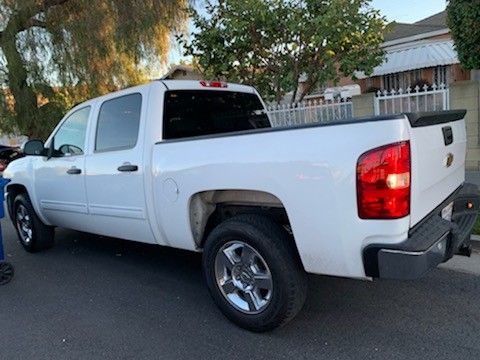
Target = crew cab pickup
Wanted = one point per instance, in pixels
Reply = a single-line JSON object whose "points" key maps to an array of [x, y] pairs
{"points": [[197, 166]]}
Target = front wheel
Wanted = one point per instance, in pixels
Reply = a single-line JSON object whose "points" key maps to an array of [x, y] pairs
{"points": [[253, 272], [33, 234]]}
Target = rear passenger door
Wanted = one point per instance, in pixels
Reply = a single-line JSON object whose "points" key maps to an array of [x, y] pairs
{"points": [[114, 171]]}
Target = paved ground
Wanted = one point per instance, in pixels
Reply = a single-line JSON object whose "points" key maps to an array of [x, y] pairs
{"points": [[473, 177], [98, 298]]}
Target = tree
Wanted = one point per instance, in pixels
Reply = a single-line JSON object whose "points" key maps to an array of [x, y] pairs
{"points": [[272, 44], [464, 22], [57, 52]]}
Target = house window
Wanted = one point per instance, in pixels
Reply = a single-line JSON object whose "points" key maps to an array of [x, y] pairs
{"points": [[369, 83], [441, 75], [414, 77], [391, 82], [401, 80]]}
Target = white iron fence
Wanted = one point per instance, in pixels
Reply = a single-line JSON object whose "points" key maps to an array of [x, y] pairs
{"points": [[309, 112], [412, 100]]}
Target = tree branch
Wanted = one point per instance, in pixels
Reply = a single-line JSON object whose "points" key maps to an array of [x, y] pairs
{"points": [[49, 3], [32, 12], [34, 22]]}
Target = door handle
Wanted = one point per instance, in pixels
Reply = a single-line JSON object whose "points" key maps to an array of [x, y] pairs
{"points": [[447, 135], [74, 171], [127, 168]]}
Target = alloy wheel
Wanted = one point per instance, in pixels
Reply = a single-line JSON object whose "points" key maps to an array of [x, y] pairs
{"points": [[243, 277]]}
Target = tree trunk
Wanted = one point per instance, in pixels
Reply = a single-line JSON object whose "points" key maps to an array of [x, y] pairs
{"points": [[296, 78], [278, 91], [306, 90], [25, 99], [295, 90]]}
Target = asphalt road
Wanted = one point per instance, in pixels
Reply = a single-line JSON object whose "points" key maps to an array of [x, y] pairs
{"points": [[97, 298]]}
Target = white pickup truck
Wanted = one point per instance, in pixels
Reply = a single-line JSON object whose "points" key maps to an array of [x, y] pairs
{"points": [[197, 166]]}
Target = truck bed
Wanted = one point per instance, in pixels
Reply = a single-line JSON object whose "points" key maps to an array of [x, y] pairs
{"points": [[312, 170]]}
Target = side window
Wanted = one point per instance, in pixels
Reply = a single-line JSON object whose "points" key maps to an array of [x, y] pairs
{"points": [[118, 123], [70, 137]]}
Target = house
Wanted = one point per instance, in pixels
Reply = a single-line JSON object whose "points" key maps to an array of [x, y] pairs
{"points": [[345, 88], [421, 53]]}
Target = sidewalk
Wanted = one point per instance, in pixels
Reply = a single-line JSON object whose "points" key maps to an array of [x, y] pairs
{"points": [[473, 177]]}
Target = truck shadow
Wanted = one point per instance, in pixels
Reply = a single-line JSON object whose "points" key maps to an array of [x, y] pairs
{"points": [[356, 301], [161, 288]]}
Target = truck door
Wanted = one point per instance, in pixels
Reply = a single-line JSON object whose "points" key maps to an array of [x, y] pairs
{"points": [[60, 179], [115, 171]]}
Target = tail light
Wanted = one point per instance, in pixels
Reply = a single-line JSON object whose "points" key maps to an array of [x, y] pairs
{"points": [[213, 84], [383, 182]]}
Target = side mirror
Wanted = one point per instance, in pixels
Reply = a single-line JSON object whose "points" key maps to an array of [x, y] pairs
{"points": [[34, 147]]}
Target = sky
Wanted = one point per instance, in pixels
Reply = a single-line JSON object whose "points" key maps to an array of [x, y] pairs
{"points": [[407, 11]]}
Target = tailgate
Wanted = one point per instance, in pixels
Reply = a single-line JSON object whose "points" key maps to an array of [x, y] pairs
{"points": [[438, 149]]}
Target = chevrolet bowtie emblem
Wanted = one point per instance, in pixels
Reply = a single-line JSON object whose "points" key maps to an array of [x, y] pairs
{"points": [[449, 160]]}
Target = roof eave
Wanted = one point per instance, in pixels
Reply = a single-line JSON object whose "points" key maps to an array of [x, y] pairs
{"points": [[416, 37]]}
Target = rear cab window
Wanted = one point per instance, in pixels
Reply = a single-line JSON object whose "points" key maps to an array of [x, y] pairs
{"points": [[191, 113]]}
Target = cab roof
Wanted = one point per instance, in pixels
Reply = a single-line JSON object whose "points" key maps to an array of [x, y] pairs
{"points": [[206, 85]]}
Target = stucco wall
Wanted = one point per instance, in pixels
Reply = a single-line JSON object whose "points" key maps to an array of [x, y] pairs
{"points": [[363, 105], [466, 95]]}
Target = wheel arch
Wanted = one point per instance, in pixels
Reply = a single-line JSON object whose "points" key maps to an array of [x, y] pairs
{"points": [[209, 208], [12, 191]]}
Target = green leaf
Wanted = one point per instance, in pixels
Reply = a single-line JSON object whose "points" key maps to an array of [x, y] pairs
{"points": [[274, 42]]}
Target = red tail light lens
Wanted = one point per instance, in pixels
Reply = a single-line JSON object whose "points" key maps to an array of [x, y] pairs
{"points": [[383, 182], [213, 84]]}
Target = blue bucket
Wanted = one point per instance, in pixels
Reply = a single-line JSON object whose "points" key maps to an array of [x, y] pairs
{"points": [[6, 270]]}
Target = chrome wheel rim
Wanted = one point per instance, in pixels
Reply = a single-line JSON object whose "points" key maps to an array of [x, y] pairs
{"points": [[243, 277], [24, 224]]}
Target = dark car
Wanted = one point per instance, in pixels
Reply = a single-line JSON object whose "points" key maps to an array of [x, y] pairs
{"points": [[7, 155]]}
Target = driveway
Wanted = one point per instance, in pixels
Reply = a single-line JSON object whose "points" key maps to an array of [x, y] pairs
{"points": [[98, 298]]}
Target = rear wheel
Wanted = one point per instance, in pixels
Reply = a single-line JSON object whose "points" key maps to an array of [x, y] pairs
{"points": [[243, 277], [253, 272], [33, 234]]}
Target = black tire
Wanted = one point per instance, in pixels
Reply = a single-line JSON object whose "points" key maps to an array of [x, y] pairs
{"points": [[42, 235], [6, 273], [278, 251]]}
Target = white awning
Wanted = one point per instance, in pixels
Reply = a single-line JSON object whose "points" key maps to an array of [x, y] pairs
{"points": [[416, 56]]}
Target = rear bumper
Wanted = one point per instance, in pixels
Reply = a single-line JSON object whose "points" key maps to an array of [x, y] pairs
{"points": [[431, 242]]}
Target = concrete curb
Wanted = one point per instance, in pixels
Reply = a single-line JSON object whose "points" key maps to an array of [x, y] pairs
{"points": [[475, 238], [475, 242]]}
